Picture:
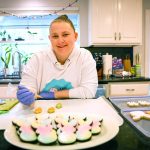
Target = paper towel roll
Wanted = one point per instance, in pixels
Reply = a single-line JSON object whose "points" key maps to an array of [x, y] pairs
{"points": [[107, 64]]}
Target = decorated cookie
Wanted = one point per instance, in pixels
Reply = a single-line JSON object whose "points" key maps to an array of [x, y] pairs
{"points": [[83, 132], [27, 134], [38, 110], [144, 103], [138, 103], [96, 127], [46, 134], [133, 104], [61, 129], [146, 116], [58, 105], [51, 110], [67, 138], [18, 122], [138, 115], [147, 112]]}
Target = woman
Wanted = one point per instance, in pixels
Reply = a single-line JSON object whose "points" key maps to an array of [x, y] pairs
{"points": [[63, 71]]}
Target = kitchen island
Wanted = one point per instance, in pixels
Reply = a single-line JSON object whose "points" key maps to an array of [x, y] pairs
{"points": [[126, 139], [123, 86], [112, 79]]}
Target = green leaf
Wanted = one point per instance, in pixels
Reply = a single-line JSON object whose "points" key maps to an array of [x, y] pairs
{"points": [[2, 59], [8, 59], [4, 62], [29, 32]]}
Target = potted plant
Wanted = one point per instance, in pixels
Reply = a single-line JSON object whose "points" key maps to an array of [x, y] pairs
{"points": [[26, 57], [6, 59], [3, 35], [32, 34]]}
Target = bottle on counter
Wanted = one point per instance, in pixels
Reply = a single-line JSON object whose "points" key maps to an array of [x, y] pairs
{"points": [[127, 63], [133, 73], [138, 70], [138, 65]]}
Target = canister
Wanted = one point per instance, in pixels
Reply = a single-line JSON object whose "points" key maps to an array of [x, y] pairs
{"points": [[127, 64], [133, 71], [138, 70], [107, 64]]}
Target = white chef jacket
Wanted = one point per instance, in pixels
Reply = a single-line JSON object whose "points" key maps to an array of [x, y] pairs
{"points": [[79, 72]]}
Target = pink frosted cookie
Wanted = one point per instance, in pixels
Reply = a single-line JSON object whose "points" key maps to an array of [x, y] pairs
{"points": [[96, 127], [83, 132], [27, 134], [46, 135], [67, 137]]}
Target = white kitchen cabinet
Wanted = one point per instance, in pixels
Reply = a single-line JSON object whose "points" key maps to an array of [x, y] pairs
{"points": [[8, 91], [127, 89], [115, 22]]}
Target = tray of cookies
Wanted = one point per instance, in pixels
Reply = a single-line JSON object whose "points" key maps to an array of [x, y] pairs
{"points": [[131, 103], [140, 120], [63, 124]]}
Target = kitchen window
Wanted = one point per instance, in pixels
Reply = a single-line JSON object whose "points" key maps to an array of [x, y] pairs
{"points": [[27, 35]]}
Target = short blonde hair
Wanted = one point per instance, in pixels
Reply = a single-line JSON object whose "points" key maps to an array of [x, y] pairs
{"points": [[63, 18]]}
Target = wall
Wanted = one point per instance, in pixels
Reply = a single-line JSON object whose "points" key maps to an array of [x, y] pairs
{"points": [[119, 52], [36, 7], [144, 47], [83, 11]]}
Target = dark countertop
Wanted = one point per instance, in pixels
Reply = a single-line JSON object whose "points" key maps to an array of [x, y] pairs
{"points": [[13, 81], [123, 79], [103, 80], [126, 139]]}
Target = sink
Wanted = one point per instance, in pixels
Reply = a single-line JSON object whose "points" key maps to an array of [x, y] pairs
{"points": [[9, 77], [10, 80]]}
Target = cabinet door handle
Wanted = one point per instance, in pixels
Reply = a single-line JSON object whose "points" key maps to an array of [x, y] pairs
{"points": [[119, 36], [130, 90], [115, 35]]}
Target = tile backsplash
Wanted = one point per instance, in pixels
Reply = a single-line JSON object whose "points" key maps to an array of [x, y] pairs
{"points": [[119, 52]]}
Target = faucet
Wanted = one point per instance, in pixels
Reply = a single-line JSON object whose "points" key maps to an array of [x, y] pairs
{"points": [[13, 61]]}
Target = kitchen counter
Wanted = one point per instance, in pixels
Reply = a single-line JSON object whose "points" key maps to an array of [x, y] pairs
{"points": [[101, 81], [123, 79], [126, 139], [13, 81]]}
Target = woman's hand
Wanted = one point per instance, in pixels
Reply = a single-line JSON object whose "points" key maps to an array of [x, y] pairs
{"points": [[47, 95], [25, 96]]}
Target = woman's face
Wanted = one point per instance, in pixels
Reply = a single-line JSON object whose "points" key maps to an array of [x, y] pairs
{"points": [[62, 37]]}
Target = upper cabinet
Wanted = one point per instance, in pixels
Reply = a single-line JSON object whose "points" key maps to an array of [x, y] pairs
{"points": [[115, 22]]}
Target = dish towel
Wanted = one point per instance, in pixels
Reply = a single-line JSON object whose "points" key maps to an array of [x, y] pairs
{"points": [[8, 104]]}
